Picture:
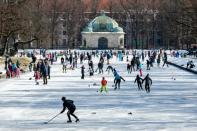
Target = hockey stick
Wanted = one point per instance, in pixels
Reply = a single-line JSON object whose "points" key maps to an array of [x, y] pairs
{"points": [[52, 119]]}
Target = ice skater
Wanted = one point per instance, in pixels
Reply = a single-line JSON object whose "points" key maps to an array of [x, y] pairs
{"points": [[103, 85], [139, 82], [109, 68], [128, 68], [64, 67], [69, 104], [148, 83], [165, 59], [82, 72], [117, 81]]}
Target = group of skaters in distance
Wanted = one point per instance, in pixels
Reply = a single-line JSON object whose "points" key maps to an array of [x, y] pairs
{"points": [[69, 60]]}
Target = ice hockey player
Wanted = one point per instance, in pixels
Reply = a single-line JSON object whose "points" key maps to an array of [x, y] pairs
{"points": [[69, 104]]}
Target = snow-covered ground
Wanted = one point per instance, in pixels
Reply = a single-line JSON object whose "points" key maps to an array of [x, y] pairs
{"points": [[171, 105]]}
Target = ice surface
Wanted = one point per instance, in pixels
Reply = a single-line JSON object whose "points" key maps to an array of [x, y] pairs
{"points": [[183, 61], [170, 106]]}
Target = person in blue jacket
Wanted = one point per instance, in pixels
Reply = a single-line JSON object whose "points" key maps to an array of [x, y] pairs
{"points": [[117, 81]]}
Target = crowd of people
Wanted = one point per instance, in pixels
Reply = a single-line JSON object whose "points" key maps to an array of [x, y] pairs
{"points": [[135, 62], [85, 61]]}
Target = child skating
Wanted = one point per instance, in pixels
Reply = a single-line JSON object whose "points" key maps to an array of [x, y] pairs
{"points": [[103, 85]]}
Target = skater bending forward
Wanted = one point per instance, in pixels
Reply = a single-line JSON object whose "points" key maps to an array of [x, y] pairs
{"points": [[69, 104]]}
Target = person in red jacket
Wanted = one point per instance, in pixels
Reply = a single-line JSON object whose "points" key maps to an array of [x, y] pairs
{"points": [[103, 85]]}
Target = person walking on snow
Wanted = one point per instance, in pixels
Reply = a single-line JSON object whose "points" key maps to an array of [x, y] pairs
{"points": [[103, 85], [148, 83], [139, 82], [69, 104]]}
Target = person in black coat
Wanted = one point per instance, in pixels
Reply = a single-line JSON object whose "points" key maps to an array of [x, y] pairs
{"points": [[82, 72], [44, 71], [165, 59], [133, 64], [148, 83], [148, 64], [69, 104], [139, 82]]}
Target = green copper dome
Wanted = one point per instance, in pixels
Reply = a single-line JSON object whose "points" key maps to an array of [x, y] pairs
{"points": [[103, 23]]}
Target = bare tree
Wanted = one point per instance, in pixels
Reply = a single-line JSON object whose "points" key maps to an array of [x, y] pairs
{"points": [[13, 25]]}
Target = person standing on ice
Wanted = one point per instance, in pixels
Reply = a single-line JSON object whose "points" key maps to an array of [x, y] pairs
{"points": [[37, 76], [64, 67], [128, 68], [148, 83], [133, 64], [142, 55], [69, 104], [91, 65], [140, 69], [165, 59], [91, 71], [147, 65], [71, 59], [139, 82], [44, 71], [62, 60], [81, 58], [117, 81], [100, 67], [103, 85], [158, 60], [108, 58], [82, 72]]}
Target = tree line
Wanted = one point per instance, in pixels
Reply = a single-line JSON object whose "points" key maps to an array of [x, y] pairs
{"points": [[23, 22]]}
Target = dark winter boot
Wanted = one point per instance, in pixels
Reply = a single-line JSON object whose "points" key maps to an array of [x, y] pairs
{"points": [[77, 120], [69, 121]]}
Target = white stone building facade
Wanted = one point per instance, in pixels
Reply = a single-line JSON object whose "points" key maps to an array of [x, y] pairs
{"points": [[103, 33]]}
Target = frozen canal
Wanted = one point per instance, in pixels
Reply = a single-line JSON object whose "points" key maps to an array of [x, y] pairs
{"points": [[171, 105]]}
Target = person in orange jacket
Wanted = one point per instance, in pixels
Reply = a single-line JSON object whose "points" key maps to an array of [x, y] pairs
{"points": [[103, 85]]}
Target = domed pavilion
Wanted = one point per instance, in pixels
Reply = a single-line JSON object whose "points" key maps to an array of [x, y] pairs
{"points": [[103, 32]]}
